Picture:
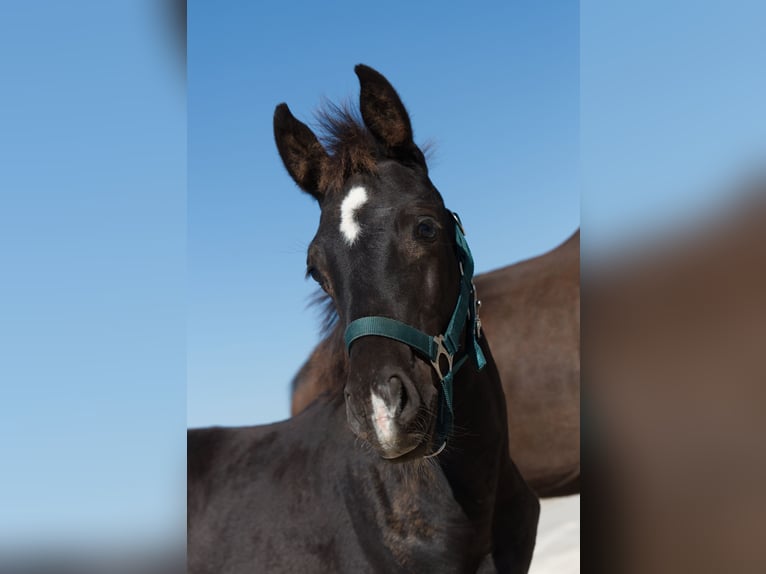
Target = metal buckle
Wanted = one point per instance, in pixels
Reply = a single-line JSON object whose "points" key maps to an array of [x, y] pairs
{"points": [[476, 309], [456, 217], [441, 351]]}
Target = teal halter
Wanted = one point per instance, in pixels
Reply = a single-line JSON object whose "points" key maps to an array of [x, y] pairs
{"points": [[440, 349]]}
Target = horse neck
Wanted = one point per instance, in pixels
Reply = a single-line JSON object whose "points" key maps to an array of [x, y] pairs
{"points": [[477, 449]]}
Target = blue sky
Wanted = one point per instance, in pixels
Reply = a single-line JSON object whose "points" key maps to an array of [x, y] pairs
{"points": [[671, 112], [92, 257], [496, 90]]}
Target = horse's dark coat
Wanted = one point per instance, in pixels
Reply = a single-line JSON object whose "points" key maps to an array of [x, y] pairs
{"points": [[303, 495], [316, 493]]}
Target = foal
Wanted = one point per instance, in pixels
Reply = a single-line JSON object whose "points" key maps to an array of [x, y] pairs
{"points": [[373, 478]]}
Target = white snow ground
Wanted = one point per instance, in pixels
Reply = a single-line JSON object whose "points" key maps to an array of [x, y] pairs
{"points": [[558, 537]]}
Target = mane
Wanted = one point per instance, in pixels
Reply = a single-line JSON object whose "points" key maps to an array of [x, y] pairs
{"points": [[351, 146]]}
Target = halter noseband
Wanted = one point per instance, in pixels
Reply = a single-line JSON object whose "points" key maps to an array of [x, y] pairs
{"points": [[440, 349]]}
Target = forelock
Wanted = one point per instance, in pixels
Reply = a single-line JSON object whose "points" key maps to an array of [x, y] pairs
{"points": [[351, 146]]}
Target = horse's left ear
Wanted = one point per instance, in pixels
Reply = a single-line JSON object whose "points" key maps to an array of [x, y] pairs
{"points": [[384, 114]]}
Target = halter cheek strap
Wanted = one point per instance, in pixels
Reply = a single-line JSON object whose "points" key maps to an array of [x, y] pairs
{"points": [[442, 349]]}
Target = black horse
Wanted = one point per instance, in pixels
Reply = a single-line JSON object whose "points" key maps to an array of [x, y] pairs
{"points": [[406, 467]]}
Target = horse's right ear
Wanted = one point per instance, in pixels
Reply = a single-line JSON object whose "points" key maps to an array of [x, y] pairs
{"points": [[300, 150]]}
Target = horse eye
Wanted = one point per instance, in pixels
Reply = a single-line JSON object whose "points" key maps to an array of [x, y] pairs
{"points": [[315, 275], [426, 229]]}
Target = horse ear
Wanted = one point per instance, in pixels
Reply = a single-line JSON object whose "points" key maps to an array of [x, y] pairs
{"points": [[384, 113], [300, 150]]}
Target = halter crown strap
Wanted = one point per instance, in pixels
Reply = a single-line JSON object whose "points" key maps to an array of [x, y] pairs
{"points": [[435, 348]]}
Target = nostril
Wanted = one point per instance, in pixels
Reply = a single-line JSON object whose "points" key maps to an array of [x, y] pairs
{"points": [[403, 398], [409, 401], [398, 397]]}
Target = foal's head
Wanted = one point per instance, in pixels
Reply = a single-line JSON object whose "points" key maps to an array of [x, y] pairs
{"points": [[385, 246]]}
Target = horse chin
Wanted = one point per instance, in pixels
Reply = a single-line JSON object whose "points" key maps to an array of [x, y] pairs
{"points": [[398, 454], [417, 452], [413, 447]]}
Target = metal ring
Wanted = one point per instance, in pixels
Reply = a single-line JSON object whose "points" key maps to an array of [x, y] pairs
{"points": [[441, 351], [433, 454]]}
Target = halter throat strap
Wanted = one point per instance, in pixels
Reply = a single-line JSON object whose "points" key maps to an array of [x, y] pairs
{"points": [[441, 350]]}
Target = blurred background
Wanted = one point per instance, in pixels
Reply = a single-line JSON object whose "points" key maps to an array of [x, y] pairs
{"points": [[673, 158], [92, 294]]}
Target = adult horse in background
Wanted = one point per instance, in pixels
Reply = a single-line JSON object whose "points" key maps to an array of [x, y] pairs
{"points": [[373, 478], [530, 314]]}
